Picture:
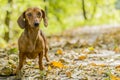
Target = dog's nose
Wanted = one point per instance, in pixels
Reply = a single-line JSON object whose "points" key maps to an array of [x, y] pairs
{"points": [[36, 24]]}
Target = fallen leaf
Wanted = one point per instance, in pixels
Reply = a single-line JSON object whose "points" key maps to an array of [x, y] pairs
{"points": [[6, 70], [59, 51], [29, 62], [57, 64], [117, 66], [101, 71], [113, 77], [100, 65], [82, 57], [49, 68], [62, 60], [68, 74], [91, 48], [13, 66], [36, 67], [116, 49], [93, 64], [65, 67]]}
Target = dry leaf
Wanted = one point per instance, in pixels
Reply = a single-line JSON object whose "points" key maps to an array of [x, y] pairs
{"points": [[65, 67], [49, 68], [62, 60], [117, 50], [57, 64], [68, 74], [113, 77], [117, 66], [82, 57], [93, 64], [13, 66], [101, 71], [59, 51], [100, 65]]}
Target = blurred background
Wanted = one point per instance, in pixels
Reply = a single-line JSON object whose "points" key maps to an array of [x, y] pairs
{"points": [[62, 15]]}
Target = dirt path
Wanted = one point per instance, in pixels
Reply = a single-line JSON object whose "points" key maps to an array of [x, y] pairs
{"points": [[89, 53]]}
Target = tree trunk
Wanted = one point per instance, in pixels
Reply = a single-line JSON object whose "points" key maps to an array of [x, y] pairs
{"points": [[46, 9], [94, 9], [7, 22], [84, 11]]}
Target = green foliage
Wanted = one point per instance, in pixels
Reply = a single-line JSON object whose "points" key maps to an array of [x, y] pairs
{"points": [[61, 14]]}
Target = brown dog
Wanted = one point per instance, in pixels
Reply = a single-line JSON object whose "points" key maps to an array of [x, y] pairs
{"points": [[32, 42]]}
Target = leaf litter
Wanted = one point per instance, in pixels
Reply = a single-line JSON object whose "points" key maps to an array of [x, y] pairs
{"points": [[81, 54]]}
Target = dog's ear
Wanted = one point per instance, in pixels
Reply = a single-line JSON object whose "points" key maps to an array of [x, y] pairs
{"points": [[21, 20], [44, 18]]}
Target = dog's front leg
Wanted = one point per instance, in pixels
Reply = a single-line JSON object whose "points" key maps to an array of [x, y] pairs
{"points": [[41, 67], [22, 59]]}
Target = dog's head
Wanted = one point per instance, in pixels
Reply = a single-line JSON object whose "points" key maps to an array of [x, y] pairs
{"points": [[32, 17]]}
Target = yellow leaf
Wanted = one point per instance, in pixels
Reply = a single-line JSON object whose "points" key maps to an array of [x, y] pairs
{"points": [[59, 51], [29, 62], [101, 65], [101, 71], [113, 77], [82, 57], [65, 67], [68, 74], [93, 64], [49, 68], [36, 67], [91, 48], [117, 50], [57, 64]]}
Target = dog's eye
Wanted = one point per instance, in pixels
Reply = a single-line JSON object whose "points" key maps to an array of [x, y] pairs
{"points": [[38, 14], [29, 14]]}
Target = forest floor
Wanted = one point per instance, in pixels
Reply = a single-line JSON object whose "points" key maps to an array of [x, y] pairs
{"points": [[87, 53]]}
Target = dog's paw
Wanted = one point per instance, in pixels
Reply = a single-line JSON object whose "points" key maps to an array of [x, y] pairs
{"points": [[42, 67]]}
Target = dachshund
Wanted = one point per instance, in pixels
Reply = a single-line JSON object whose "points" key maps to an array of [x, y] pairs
{"points": [[32, 42]]}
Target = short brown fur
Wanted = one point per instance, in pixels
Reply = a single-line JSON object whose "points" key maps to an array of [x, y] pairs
{"points": [[32, 42]]}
